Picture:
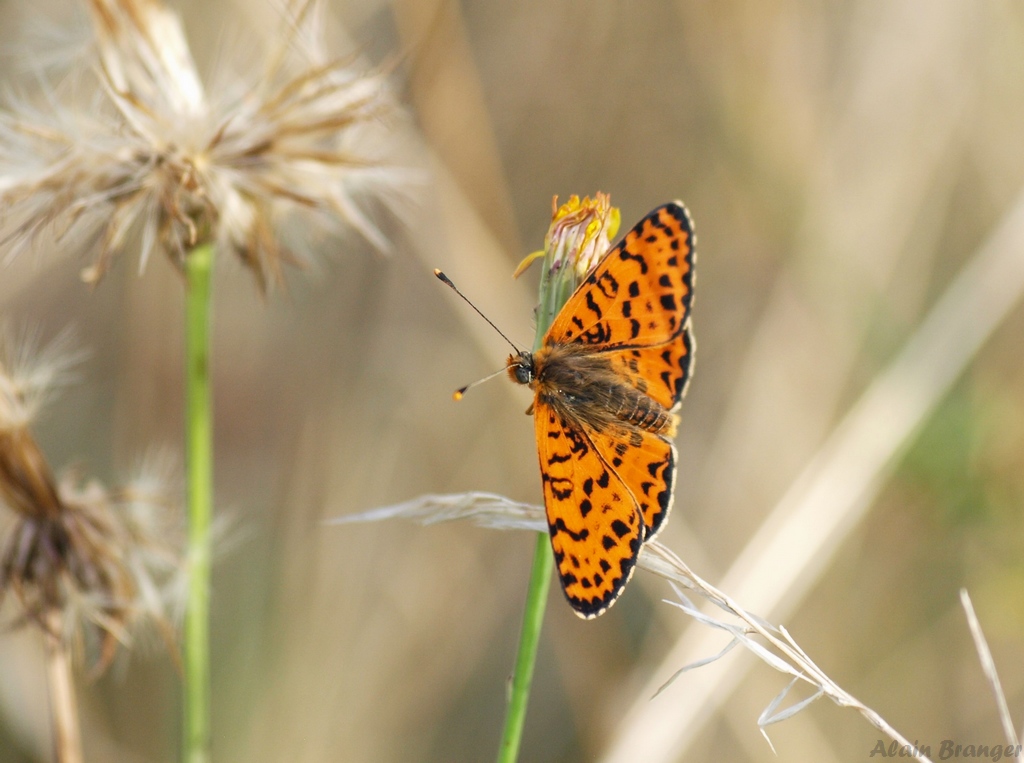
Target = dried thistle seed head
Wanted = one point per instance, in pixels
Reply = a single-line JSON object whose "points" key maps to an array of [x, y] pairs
{"points": [[30, 373], [26, 484], [154, 160], [71, 553], [93, 560]]}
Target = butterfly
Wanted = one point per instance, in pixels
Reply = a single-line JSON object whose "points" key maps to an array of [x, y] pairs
{"points": [[607, 381]]}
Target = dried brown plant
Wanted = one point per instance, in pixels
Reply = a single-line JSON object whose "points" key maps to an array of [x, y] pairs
{"points": [[140, 154], [85, 564]]}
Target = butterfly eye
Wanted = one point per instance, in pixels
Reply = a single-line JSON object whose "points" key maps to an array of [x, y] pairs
{"points": [[521, 367], [524, 373]]}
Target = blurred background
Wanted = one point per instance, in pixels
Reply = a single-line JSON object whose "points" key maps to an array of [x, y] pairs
{"points": [[844, 163]]}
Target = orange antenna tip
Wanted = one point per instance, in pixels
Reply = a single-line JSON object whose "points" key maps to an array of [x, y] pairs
{"points": [[461, 391]]}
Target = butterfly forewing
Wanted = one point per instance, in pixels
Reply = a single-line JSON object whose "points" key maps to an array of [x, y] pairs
{"points": [[639, 294]]}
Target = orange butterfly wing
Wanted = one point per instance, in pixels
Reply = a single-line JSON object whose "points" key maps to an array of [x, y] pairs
{"points": [[635, 307], [662, 371], [639, 295], [595, 528], [646, 464]]}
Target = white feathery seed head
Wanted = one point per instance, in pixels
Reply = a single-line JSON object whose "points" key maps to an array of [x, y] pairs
{"points": [[139, 155], [93, 562]]}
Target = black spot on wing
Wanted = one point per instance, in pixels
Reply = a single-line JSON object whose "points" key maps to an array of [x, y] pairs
{"points": [[639, 259], [607, 285], [599, 333], [559, 527]]}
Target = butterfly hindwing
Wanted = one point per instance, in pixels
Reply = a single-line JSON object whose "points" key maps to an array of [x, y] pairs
{"points": [[595, 525], [646, 464], [639, 294]]}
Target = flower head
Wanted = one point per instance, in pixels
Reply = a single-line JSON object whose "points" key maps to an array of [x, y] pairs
{"points": [[142, 155], [79, 555], [580, 234]]}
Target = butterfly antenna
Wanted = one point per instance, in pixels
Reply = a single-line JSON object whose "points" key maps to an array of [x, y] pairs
{"points": [[457, 394], [448, 282]]}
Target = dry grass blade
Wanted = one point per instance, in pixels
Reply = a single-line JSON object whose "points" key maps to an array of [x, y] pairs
{"points": [[486, 509], [988, 665], [780, 652]]}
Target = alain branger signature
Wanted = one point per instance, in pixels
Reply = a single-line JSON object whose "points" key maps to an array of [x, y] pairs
{"points": [[947, 750]]}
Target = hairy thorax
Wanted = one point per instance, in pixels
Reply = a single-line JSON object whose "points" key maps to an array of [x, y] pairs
{"points": [[583, 387]]}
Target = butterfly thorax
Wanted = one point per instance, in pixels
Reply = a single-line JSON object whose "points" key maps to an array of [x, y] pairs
{"points": [[583, 387]]}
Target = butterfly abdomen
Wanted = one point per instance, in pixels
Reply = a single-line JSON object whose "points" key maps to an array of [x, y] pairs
{"points": [[644, 413]]}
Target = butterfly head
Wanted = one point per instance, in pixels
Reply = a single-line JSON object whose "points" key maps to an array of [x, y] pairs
{"points": [[521, 367]]}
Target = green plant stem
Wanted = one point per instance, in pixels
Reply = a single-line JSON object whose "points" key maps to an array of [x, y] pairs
{"points": [[199, 437], [553, 294], [526, 657]]}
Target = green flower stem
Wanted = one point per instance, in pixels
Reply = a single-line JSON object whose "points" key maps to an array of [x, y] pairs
{"points": [[199, 437], [554, 291], [526, 658]]}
